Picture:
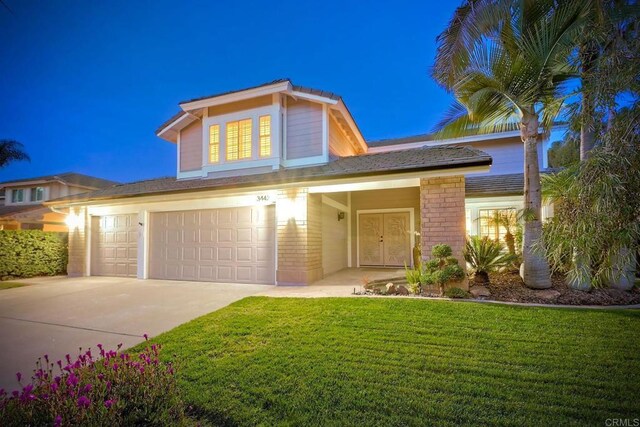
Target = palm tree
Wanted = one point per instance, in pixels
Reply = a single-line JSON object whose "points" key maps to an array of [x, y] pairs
{"points": [[506, 62], [11, 151], [605, 49]]}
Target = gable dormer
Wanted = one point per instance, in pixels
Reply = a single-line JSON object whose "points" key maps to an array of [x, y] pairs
{"points": [[260, 129]]}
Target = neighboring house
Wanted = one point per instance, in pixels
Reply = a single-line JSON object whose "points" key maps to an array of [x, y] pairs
{"points": [[275, 184], [21, 201]]}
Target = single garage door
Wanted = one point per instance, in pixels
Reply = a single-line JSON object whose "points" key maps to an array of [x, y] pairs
{"points": [[114, 245], [214, 245]]}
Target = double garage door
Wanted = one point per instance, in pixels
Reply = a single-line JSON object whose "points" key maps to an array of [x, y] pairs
{"points": [[213, 245]]}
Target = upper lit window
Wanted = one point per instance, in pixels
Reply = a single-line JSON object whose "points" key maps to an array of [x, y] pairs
{"points": [[17, 195], [214, 144], [265, 136], [37, 194], [239, 139]]}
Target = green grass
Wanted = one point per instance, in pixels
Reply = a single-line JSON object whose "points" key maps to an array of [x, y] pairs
{"points": [[9, 285], [361, 361]]}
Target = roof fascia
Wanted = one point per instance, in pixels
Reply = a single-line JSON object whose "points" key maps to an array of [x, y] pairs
{"points": [[342, 108], [312, 97], [481, 166], [237, 96]]}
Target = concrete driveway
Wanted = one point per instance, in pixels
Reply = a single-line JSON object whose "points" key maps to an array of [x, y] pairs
{"points": [[56, 316]]}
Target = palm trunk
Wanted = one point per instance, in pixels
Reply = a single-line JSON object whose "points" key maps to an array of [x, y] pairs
{"points": [[588, 54], [535, 271]]}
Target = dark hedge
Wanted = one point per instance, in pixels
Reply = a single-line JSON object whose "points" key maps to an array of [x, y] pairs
{"points": [[28, 253]]}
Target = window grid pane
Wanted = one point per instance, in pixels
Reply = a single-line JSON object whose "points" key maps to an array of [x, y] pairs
{"points": [[37, 194], [265, 136], [488, 228], [214, 144], [232, 141], [17, 196], [244, 151]]}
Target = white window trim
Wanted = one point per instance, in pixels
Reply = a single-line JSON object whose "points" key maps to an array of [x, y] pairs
{"points": [[24, 196]]}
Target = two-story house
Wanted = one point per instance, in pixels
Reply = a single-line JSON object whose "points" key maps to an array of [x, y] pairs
{"points": [[275, 184], [21, 201]]}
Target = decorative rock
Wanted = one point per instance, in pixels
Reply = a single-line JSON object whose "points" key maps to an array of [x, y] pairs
{"points": [[548, 294], [480, 292], [391, 289], [401, 290]]}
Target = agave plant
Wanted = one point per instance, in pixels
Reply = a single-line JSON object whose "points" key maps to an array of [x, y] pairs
{"points": [[484, 255]]}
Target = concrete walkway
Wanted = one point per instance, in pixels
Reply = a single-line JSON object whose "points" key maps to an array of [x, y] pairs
{"points": [[340, 284], [56, 316]]}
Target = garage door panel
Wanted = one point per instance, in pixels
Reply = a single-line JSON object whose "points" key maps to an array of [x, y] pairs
{"points": [[114, 245], [243, 254], [225, 217], [225, 254], [226, 245], [243, 235], [245, 274], [225, 235]]}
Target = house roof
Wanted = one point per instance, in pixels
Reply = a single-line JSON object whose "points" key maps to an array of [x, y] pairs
{"points": [[297, 88], [304, 89], [494, 185], [404, 140], [497, 185], [7, 211], [405, 161], [69, 178]]}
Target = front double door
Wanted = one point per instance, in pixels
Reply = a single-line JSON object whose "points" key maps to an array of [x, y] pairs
{"points": [[384, 239]]}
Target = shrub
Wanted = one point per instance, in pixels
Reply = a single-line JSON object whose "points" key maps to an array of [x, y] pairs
{"points": [[456, 293], [115, 389], [441, 270], [412, 275], [484, 256], [414, 288], [441, 251], [28, 253]]}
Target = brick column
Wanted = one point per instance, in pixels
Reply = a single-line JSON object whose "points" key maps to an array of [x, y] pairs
{"points": [[442, 214], [299, 234], [76, 265]]}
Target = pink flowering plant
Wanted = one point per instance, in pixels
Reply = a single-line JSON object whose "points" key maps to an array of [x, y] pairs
{"points": [[109, 388]]}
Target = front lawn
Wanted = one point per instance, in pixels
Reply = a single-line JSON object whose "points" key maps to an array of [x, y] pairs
{"points": [[365, 361], [10, 285]]}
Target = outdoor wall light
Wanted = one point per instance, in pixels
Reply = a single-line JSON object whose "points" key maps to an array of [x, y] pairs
{"points": [[73, 221], [340, 215]]}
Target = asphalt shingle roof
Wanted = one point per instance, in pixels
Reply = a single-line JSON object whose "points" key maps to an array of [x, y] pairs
{"points": [[298, 88], [494, 185], [413, 160], [497, 185], [14, 209], [70, 178]]}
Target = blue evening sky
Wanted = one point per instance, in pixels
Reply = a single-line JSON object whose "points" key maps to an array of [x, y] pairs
{"points": [[84, 84]]}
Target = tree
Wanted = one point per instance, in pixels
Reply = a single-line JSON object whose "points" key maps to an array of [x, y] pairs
{"points": [[595, 232], [564, 153], [506, 62], [607, 54], [11, 151]]}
